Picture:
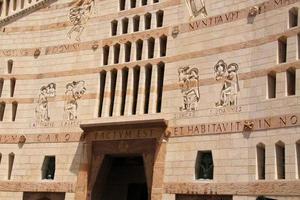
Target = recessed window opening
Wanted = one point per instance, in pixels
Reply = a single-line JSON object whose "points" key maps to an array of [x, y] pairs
{"points": [[160, 85], [116, 53], [271, 85], [127, 51], [147, 18], [133, 3], [7, 7], [2, 109], [22, 3], [122, 4], [298, 158], [105, 55], [114, 27], [11, 159], [261, 161], [1, 7], [163, 45], [151, 43], [48, 168], [148, 75], [204, 168], [12, 86], [1, 86], [14, 110], [160, 18], [291, 81], [139, 49], [144, 2], [112, 91], [124, 89], [293, 17], [136, 23], [298, 42], [155, 1], [125, 25], [9, 66], [280, 160], [102, 89], [282, 49], [136, 80], [14, 5]]}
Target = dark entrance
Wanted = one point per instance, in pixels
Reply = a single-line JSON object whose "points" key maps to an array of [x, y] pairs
{"points": [[43, 196], [121, 178]]}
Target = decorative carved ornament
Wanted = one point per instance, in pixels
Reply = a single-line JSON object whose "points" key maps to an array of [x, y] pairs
{"points": [[196, 8]]}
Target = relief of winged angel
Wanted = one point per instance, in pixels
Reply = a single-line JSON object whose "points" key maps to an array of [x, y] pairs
{"points": [[196, 7]]}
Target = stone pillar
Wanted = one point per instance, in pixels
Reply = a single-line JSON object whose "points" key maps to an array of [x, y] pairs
{"points": [[145, 50], [133, 51], [297, 82], [106, 98], [118, 94], [142, 23], [130, 25], [82, 192], [154, 20], [153, 91], [158, 171], [156, 48], [129, 93], [138, 3], [122, 53], [111, 55], [141, 92], [127, 4]]}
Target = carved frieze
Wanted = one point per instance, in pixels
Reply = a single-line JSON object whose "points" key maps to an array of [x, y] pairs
{"points": [[228, 76], [190, 88]]}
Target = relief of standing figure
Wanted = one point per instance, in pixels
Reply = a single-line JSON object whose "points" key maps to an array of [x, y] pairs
{"points": [[228, 74], [41, 110], [79, 15], [74, 91], [196, 7]]}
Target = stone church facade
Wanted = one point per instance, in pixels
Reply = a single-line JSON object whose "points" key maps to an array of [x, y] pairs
{"points": [[149, 99]]}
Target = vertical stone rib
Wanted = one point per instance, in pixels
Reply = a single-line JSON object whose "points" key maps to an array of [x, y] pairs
{"points": [[145, 50], [122, 53], [153, 91], [111, 55], [141, 93]]}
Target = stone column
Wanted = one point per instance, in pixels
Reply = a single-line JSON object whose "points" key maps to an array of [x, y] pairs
{"points": [[145, 50], [129, 93], [141, 92], [142, 23], [130, 25], [138, 3], [154, 20], [106, 98], [122, 53], [111, 55], [133, 51], [118, 94], [156, 48], [153, 90]]}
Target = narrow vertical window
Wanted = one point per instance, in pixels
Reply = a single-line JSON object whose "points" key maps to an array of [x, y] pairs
{"points": [[1, 7], [11, 159], [7, 7], [48, 168], [2, 109], [151, 44], [293, 17], [298, 45], [127, 51], [282, 49], [163, 45], [112, 90], [122, 4], [139, 49], [291, 81], [22, 3], [147, 18], [10, 64], [148, 75], [155, 1], [204, 168], [280, 160], [160, 85], [14, 111], [114, 27], [298, 158], [14, 5], [159, 18], [105, 55], [12, 86], [1, 86], [271, 85], [125, 25], [136, 23], [144, 2], [133, 3], [136, 80], [124, 89], [260, 161], [102, 88], [116, 53]]}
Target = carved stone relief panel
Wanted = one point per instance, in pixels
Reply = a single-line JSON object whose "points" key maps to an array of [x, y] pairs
{"points": [[228, 76], [41, 110], [74, 91], [196, 8], [79, 16], [189, 84]]}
